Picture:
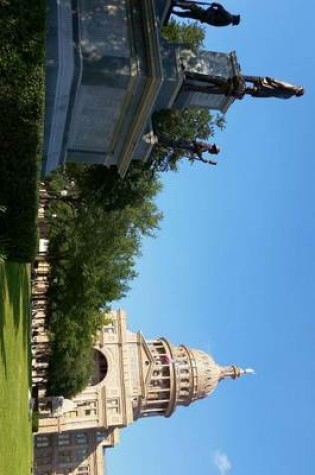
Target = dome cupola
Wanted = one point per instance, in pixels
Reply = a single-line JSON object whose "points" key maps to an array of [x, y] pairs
{"points": [[179, 376]]}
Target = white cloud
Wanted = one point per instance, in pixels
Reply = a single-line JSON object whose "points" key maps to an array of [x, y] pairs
{"points": [[222, 462]]}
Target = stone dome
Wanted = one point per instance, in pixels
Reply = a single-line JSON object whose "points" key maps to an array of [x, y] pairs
{"points": [[179, 376]]}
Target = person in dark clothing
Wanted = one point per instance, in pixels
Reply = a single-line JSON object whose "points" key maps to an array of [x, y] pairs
{"points": [[215, 15], [269, 87], [192, 149]]}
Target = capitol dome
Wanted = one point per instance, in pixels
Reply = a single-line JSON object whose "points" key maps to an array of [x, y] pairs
{"points": [[179, 376]]}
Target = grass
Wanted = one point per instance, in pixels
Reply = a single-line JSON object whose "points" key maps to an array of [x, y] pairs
{"points": [[15, 420], [22, 24]]}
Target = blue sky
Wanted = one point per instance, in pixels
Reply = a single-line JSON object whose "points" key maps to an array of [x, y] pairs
{"points": [[232, 271]]}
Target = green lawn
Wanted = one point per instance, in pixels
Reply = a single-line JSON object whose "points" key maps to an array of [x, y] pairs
{"points": [[15, 421]]}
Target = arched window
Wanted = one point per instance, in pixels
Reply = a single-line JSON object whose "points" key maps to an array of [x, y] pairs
{"points": [[99, 368]]}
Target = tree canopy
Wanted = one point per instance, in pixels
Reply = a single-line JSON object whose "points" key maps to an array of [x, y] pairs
{"points": [[193, 34], [95, 237], [22, 42]]}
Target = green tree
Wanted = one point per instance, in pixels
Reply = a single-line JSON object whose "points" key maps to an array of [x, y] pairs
{"points": [[22, 44], [94, 241], [70, 363], [104, 186], [190, 33]]}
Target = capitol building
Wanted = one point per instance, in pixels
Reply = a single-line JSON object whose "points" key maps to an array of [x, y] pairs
{"points": [[132, 378]]}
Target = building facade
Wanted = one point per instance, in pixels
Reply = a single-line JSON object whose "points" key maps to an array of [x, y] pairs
{"points": [[132, 378]]}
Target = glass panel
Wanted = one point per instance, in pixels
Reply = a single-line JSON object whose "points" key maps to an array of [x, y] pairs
{"points": [[64, 457], [81, 454], [81, 438], [63, 439], [43, 460], [100, 435], [42, 441]]}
